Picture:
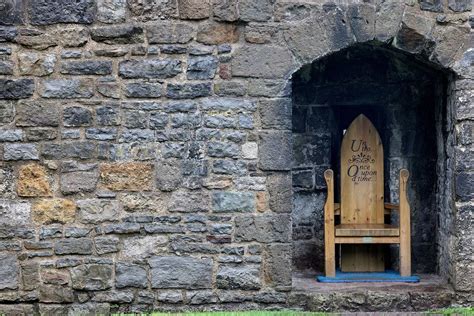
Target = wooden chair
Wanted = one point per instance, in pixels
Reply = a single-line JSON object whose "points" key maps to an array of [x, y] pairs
{"points": [[362, 208]]}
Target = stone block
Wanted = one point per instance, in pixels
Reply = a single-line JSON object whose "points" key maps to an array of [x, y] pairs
{"points": [[47, 211], [217, 33], [123, 34], [36, 64], [117, 297], [37, 113], [66, 88], [75, 116], [194, 9], [275, 150], [143, 90], [238, 277], [141, 247], [86, 67], [105, 245], [41, 134], [149, 68], [278, 267], [11, 135], [460, 5], [170, 33], [362, 20], [388, 19], [80, 178], [168, 175], [6, 67], [33, 181], [92, 277], [259, 11], [281, 192], [44, 12], [201, 67], [13, 89], [223, 202], [104, 133], [20, 152], [223, 150], [108, 115], [431, 5], [7, 112], [153, 10], [275, 113], [14, 213], [170, 297], [264, 229], [8, 271], [130, 275], [30, 276], [73, 37], [55, 294], [11, 12], [189, 202], [188, 90], [180, 272], [263, 62], [73, 246], [111, 11], [94, 211], [132, 176], [225, 10]]}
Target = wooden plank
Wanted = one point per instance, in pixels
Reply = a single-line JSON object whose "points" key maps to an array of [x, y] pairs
{"points": [[365, 258], [362, 199], [354, 230], [405, 231], [391, 206], [329, 245], [367, 240], [387, 211]]}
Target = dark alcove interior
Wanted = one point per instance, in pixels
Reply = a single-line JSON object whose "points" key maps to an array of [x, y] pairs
{"points": [[406, 101]]}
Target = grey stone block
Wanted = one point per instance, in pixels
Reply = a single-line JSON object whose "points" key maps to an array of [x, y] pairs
{"points": [[238, 277], [44, 12], [124, 34], [8, 271], [93, 211], [275, 150], [20, 152], [180, 272], [264, 229], [275, 113], [16, 88], [233, 202], [201, 67], [81, 246], [66, 88], [75, 116], [188, 90], [130, 275], [170, 33], [92, 277], [143, 90], [87, 67], [149, 68]]}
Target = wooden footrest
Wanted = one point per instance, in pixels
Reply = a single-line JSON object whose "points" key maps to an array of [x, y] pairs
{"points": [[366, 230]]}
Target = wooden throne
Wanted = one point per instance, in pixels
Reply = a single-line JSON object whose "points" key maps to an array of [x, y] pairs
{"points": [[362, 209]]}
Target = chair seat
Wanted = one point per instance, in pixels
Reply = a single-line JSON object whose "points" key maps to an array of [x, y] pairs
{"points": [[366, 230]]}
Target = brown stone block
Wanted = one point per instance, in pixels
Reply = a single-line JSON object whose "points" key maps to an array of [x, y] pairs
{"points": [[48, 211], [218, 33], [33, 181], [127, 176], [194, 9]]}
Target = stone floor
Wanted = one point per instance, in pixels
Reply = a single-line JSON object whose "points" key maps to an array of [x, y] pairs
{"points": [[432, 292]]}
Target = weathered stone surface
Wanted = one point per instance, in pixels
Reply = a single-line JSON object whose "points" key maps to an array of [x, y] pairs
{"points": [[43, 12], [217, 33], [14, 213], [200, 68], [265, 229], [275, 150], [153, 10], [127, 176], [124, 34], [66, 89], [255, 10], [11, 13], [170, 33], [413, 35], [281, 194], [114, 297], [82, 179], [387, 20], [36, 64], [55, 294], [362, 21], [37, 113], [184, 202], [143, 247], [180, 272], [149, 68], [225, 10], [275, 113], [8, 271], [130, 275], [238, 277], [262, 62], [20, 152], [194, 9], [16, 88], [431, 5], [170, 297], [92, 277], [75, 116], [460, 5], [6, 67], [71, 246], [40, 134], [93, 211], [57, 210], [168, 175], [105, 245], [111, 11], [233, 202], [33, 181], [143, 90], [188, 90], [7, 112], [278, 268], [11, 135], [87, 67], [73, 37]]}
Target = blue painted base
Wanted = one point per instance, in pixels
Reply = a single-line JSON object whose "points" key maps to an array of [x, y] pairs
{"points": [[349, 277]]}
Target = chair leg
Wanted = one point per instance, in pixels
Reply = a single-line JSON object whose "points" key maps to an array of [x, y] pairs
{"points": [[330, 259], [405, 234], [329, 246]]}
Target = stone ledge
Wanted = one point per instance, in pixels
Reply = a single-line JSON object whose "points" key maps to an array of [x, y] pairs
{"points": [[431, 293]]}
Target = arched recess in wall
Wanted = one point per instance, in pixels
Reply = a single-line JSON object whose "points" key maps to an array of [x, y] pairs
{"points": [[406, 99]]}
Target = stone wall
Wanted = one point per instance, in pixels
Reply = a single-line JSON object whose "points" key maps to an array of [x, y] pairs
{"points": [[146, 146]]}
